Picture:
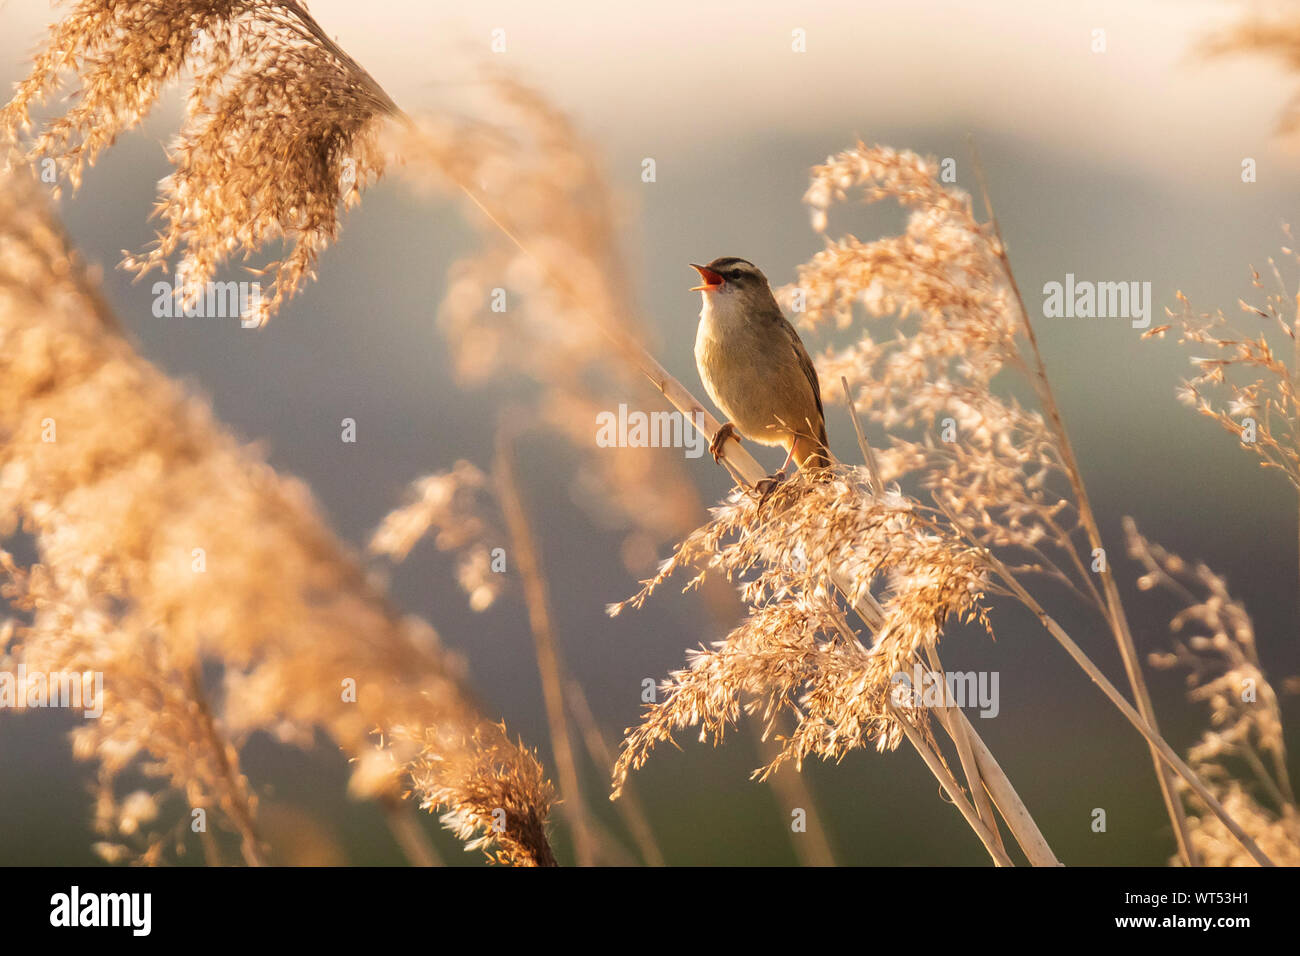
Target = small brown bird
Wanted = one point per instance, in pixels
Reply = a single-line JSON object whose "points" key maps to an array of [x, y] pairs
{"points": [[755, 368]]}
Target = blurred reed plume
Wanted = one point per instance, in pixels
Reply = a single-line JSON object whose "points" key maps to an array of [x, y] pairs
{"points": [[1269, 28], [1242, 757], [548, 234], [205, 587], [455, 505]]}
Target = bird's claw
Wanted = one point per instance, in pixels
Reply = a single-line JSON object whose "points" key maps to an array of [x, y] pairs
{"points": [[765, 486], [725, 430]]}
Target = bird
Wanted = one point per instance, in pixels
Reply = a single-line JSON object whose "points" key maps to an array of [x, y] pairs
{"points": [[755, 368]]}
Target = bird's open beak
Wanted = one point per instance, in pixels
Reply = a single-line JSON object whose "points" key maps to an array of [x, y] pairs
{"points": [[711, 279]]}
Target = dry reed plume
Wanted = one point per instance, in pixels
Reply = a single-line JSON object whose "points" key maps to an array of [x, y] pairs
{"points": [[1243, 384], [280, 125], [1009, 498], [1246, 387], [281, 129], [1243, 755], [165, 550], [455, 505], [795, 651]]}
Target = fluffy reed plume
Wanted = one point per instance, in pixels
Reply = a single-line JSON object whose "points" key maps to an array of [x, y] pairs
{"points": [[1242, 757], [1243, 384], [795, 652], [501, 811], [1006, 475], [280, 125], [951, 326], [456, 506], [203, 585]]}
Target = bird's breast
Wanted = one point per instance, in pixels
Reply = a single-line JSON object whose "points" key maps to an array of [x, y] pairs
{"points": [[737, 374]]}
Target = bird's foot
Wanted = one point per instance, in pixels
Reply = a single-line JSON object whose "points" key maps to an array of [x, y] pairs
{"points": [[766, 486], [725, 430]]}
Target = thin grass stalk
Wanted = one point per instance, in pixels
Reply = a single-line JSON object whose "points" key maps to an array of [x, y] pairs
{"points": [[1008, 802], [1265, 780], [549, 668], [407, 832], [812, 847], [629, 805], [1153, 738], [211, 851], [965, 753], [952, 788], [1114, 607], [1295, 374], [238, 811], [868, 454]]}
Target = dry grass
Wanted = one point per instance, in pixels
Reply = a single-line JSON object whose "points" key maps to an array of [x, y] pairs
{"points": [[1242, 377], [280, 126], [281, 131], [1247, 387], [456, 506], [1009, 499], [138, 477], [795, 652], [1242, 756]]}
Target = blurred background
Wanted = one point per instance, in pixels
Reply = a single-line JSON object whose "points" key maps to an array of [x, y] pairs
{"points": [[1123, 165]]}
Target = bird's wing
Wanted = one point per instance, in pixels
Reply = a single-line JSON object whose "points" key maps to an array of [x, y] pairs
{"points": [[810, 371]]}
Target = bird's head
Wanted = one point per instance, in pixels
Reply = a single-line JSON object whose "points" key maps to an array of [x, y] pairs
{"points": [[731, 276], [735, 291]]}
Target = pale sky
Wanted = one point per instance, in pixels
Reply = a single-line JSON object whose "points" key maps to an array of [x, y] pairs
{"points": [[679, 71]]}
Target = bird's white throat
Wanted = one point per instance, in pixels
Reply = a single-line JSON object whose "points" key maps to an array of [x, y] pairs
{"points": [[722, 313]]}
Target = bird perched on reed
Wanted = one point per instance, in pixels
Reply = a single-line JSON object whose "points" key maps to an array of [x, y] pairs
{"points": [[755, 368]]}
